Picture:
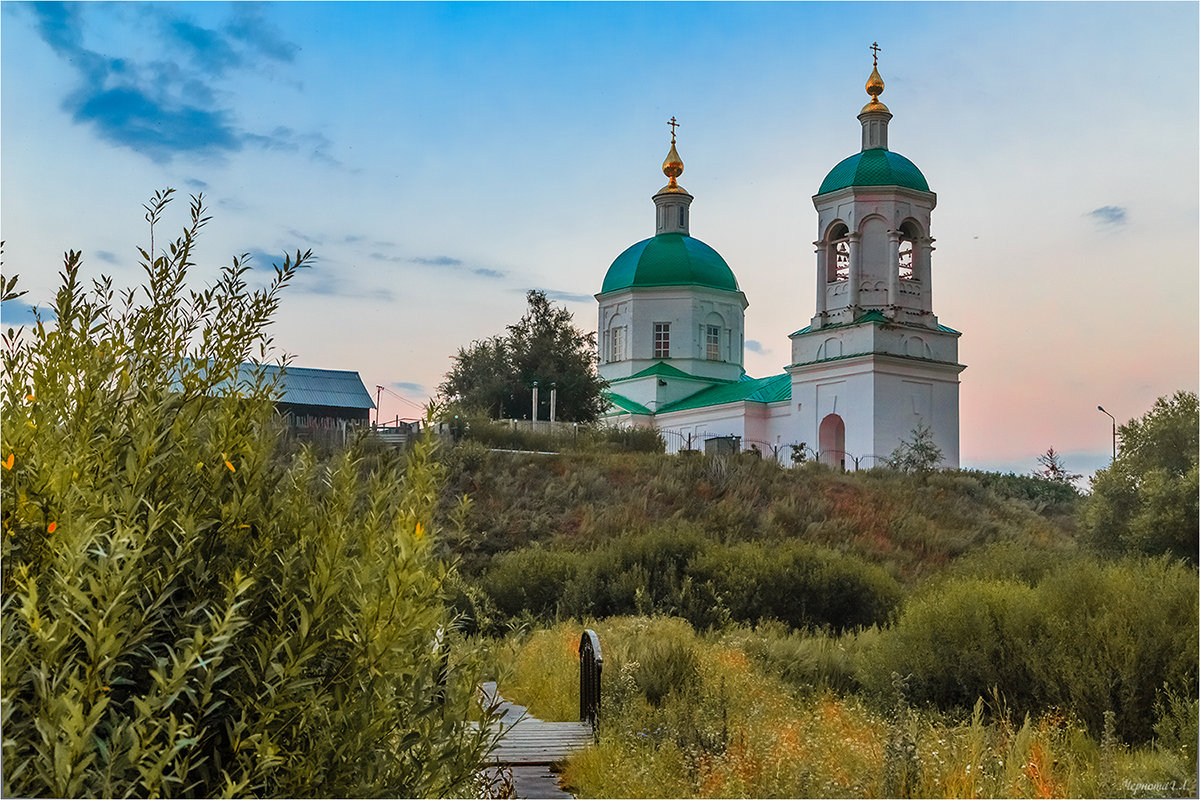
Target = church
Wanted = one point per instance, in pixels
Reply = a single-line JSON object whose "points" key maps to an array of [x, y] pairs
{"points": [[871, 366]]}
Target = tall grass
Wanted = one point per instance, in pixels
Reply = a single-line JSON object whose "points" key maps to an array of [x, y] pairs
{"points": [[734, 727]]}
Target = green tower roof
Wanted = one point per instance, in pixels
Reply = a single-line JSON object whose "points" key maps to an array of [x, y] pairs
{"points": [[669, 259], [874, 167]]}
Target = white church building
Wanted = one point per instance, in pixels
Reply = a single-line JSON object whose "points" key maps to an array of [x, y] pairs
{"points": [[871, 366]]}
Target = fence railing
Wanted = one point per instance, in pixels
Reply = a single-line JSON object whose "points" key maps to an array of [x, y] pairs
{"points": [[591, 663]]}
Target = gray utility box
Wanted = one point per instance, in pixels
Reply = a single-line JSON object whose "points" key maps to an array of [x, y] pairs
{"points": [[723, 446]]}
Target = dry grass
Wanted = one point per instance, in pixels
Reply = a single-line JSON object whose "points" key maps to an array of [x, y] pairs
{"points": [[742, 731]]}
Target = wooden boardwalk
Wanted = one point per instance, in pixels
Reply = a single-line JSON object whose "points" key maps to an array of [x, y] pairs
{"points": [[531, 746]]}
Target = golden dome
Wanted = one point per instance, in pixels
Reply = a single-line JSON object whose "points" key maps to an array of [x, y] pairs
{"points": [[673, 167], [874, 88]]}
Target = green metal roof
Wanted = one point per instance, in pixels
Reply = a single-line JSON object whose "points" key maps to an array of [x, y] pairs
{"points": [[754, 390], [625, 404], [669, 259], [664, 370], [880, 354], [874, 167], [876, 316]]}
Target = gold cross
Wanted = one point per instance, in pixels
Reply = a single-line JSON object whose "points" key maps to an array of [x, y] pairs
{"points": [[875, 48], [673, 125]]}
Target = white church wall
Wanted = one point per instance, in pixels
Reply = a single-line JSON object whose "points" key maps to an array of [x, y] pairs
{"points": [[704, 423], [909, 398], [687, 310]]}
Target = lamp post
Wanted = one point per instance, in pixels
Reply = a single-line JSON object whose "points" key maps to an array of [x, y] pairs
{"points": [[553, 401], [1114, 429], [535, 405]]}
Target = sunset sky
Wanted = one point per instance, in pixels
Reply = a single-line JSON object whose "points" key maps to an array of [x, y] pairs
{"points": [[443, 159]]}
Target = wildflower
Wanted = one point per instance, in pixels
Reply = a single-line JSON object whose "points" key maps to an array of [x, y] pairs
{"points": [[52, 527], [29, 398], [420, 531], [8, 462], [231, 467]]}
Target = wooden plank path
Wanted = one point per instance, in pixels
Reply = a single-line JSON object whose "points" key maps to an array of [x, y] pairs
{"points": [[531, 746]]}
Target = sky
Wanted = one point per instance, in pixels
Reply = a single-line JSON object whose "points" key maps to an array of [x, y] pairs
{"points": [[442, 159]]}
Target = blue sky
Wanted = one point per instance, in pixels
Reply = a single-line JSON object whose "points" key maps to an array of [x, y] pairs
{"points": [[442, 159]]}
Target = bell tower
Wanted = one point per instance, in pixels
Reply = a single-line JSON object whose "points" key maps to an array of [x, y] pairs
{"points": [[874, 363]]}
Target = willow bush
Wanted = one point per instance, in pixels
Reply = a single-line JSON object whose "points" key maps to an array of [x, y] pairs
{"points": [[1090, 638], [187, 610]]}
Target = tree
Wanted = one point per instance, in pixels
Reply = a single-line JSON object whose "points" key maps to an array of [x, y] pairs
{"points": [[495, 376], [1146, 500], [1053, 468], [918, 453], [188, 610]]}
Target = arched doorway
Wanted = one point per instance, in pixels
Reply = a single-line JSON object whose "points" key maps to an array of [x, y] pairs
{"points": [[831, 437]]}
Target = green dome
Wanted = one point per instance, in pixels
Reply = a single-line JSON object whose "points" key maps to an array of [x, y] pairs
{"points": [[875, 167], [669, 259]]}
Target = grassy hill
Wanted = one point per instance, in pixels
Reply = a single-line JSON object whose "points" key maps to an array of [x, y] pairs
{"points": [[910, 525]]}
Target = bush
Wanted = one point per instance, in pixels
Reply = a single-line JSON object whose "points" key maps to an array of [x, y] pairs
{"points": [[531, 581], [1089, 638], [185, 612], [795, 583]]}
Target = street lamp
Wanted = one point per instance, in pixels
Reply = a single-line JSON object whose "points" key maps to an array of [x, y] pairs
{"points": [[1114, 424]]}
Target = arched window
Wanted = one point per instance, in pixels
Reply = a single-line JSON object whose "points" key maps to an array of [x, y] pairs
{"points": [[906, 257], [839, 254]]}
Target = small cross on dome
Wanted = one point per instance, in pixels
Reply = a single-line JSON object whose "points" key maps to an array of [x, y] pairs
{"points": [[673, 125], [875, 48]]}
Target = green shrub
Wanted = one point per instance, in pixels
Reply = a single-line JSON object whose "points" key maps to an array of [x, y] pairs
{"points": [[186, 613], [796, 583], [1088, 637], [531, 580], [1039, 493], [631, 440]]}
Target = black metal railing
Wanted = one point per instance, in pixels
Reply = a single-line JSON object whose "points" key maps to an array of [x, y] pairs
{"points": [[591, 662]]}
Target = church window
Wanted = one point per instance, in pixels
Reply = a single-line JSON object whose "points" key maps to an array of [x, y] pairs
{"points": [[712, 339], [907, 250], [906, 259], [662, 340], [841, 263], [682, 219], [837, 256], [618, 344]]}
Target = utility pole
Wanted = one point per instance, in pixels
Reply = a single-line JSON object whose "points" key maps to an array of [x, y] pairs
{"points": [[553, 401], [535, 390]]}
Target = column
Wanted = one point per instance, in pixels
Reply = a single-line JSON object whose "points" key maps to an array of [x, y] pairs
{"points": [[855, 266], [894, 268], [822, 275], [924, 266]]}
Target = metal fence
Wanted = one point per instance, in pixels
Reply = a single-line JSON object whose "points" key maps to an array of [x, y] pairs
{"points": [[785, 453]]}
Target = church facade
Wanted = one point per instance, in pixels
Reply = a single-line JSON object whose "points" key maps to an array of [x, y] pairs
{"points": [[871, 367]]}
